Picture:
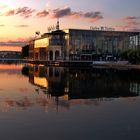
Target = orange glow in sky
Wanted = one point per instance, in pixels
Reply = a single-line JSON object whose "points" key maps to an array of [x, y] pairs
{"points": [[20, 19], [10, 48]]}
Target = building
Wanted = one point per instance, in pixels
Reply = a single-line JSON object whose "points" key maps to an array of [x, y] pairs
{"points": [[76, 44], [50, 46], [98, 44], [5, 55]]}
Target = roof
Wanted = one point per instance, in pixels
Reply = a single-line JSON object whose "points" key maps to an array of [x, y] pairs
{"points": [[57, 32], [115, 31]]}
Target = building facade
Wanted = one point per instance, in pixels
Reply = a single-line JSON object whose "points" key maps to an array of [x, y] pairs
{"points": [[76, 44]]}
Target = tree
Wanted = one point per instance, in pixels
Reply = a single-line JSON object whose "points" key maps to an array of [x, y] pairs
{"points": [[25, 51], [133, 56]]}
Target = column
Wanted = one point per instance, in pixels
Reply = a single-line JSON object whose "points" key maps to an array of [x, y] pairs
{"points": [[53, 55]]}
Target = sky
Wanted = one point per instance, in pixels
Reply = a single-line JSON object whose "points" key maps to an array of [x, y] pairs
{"points": [[20, 19]]}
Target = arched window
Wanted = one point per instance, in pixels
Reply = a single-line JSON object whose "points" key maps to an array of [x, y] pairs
{"points": [[51, 55], [57, 54]]}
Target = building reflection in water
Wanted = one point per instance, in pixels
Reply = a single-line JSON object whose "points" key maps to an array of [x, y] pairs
{"points": [[57, 88], [50, 85], [70, 86]]}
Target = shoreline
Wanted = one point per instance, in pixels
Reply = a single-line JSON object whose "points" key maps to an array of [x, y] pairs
{"points": [[72, 63], [118, 66], [92, 64]]}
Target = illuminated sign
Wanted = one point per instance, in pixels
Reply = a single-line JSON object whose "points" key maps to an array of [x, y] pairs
{"points": [[102, 28], [42, 43]]}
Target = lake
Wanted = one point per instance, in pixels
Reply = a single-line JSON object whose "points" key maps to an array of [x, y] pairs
{"points": [[56, 103]]}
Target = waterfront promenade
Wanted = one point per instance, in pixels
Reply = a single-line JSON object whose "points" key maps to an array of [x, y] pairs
{"points": [[101, 64], [72, 63]]}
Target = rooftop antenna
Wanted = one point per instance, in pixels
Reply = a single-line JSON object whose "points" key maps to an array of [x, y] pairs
{"points": [[57, 25]]}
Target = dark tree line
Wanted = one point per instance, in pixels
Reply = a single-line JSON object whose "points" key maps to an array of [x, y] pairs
{"points": [[25, 51], [133, 56]]}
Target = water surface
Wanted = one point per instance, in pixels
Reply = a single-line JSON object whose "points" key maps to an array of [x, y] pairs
{"points": [[39, 103]]}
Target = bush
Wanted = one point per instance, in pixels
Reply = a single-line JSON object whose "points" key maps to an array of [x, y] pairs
{"points": [[133, 56]]}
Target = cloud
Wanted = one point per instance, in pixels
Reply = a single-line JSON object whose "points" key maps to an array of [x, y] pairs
{"points": [[130, 18], [68, 13], [130, 23], [26, 12], [133, 23], [126, 28], [12, 43], [9, 13], [65, 12], [55, 13], [21, 26], [59, 13], [2, 25], [43, 13], [76, 15], [18, 42], [121, 27], [93, 16], [135, 29]]}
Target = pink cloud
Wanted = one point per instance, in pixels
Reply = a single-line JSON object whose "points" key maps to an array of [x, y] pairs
{"points": [[121, 27], [43, 13], [68, 13], [130, 18], [16, 42], [59, 13], [130, 23], [25, 12], [9, 13], [76, 15], [65, 12]]}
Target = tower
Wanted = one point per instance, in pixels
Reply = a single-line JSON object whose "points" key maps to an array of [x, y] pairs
{"points": [[57, 25]]}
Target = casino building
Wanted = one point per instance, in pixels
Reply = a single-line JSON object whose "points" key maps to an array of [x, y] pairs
{"points": [[76, 44]]}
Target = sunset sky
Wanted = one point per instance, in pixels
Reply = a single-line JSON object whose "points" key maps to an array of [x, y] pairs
{"points": [[20, 19]]}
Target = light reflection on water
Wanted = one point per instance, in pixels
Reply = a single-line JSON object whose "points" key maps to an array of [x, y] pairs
{"points": [[38, 102]]}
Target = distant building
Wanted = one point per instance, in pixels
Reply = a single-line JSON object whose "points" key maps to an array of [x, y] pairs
{"points": [[10, 55], [76, 44]]}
